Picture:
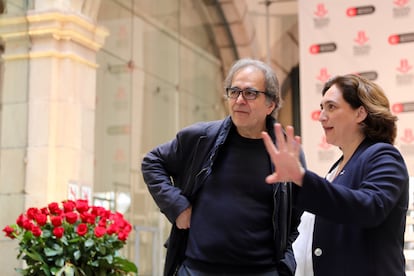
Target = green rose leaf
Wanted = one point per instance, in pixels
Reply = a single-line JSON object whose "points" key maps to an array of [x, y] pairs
{"points": [[53, 252], [60, 262], [125, 265], [34, 255], [77, 254], [89, 243]]}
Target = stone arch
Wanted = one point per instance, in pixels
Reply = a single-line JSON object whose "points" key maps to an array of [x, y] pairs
{"points": [[235, 34]]}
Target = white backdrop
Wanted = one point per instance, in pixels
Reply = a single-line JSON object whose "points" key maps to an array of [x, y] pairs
{"points": [[371, 38]]}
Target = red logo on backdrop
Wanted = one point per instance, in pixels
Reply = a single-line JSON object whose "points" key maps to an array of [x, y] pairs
{"points": [[315, 115], [401, 3], [320, 18], [408, 136], [400, 38], [361, 38], [402, 107], [401, 9], [404, 67], [321, 10], [323, 75], [361, 10], [370, 75], [322, 48]]}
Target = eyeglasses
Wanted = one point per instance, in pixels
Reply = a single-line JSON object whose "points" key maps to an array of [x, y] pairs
{"points": [[248, 93]]}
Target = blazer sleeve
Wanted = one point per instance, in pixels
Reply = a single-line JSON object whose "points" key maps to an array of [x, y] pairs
{"points": [[364, 194]]}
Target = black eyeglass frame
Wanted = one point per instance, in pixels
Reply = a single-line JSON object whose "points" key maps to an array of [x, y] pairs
{"points": [[252, 96]]}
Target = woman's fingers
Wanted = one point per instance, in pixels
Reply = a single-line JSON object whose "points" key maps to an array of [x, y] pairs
{"points": [[280, 138], [284, 155], [273, 152], [290, 139], [270, 147]]}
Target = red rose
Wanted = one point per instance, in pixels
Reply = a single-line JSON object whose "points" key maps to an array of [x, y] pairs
{"points": [[9, 231], [127, 227], [45, 211], [56, 220], [82, 205], [69, 206], [107, 214], [20, 220], [54, 208], [27, 224], [122, 236], [36, 231], [32, 212], [102, 222], [98, 211], [71, 217], [120, 221], [99, 231], [58, 232], [82, 229], [112, 229], [40, 219], [88, 218]]}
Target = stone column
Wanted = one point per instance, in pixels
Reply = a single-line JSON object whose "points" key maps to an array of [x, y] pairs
{"points": [[61, 106], [47, 114], [52, 147]]}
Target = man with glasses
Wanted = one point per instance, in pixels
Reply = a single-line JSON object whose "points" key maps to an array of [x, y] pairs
{"points": [[210, 183]]}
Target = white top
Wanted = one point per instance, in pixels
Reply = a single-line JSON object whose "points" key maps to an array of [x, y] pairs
{"points": [[302, 246]]}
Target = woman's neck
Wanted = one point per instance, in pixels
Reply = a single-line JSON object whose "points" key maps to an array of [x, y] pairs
{"points": [[349, 150]]}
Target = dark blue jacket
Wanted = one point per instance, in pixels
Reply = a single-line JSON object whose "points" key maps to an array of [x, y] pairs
{"points": [[176, 170], [360, 216]]}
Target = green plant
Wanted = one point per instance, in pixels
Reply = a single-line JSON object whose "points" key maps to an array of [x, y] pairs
{"points": [[72, 238]]}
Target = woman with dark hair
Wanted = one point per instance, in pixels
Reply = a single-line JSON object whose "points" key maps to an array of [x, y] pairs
{"points": [[356, 214]]}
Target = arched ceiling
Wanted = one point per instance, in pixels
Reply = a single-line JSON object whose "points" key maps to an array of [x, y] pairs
{"points": [[255, 28]]}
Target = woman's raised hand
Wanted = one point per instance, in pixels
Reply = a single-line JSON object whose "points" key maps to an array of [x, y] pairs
{"points": [[284, 155]]}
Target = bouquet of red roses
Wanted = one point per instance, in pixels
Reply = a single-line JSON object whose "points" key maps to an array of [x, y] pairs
{"points": [[71, 239]]}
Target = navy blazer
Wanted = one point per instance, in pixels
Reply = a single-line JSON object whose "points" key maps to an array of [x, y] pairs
{"points": [[360, 216]]}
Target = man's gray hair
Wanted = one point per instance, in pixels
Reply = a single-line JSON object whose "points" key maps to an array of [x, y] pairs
{"points": [[271, 81]]}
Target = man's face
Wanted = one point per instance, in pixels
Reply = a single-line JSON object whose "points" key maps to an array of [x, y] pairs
{"points": [[249, 116]]}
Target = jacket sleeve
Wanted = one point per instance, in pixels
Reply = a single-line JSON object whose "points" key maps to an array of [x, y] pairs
{"points": [[367, 191], [159, 169]]}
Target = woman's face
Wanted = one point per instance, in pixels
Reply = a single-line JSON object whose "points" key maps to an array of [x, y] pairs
{"points": [[340, 122]]}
